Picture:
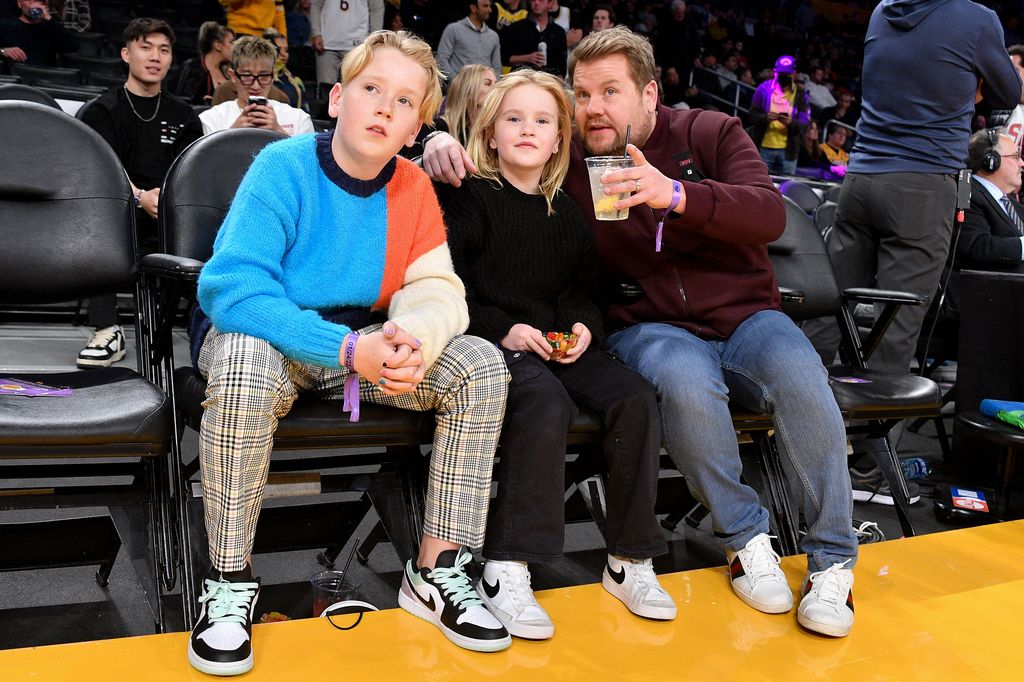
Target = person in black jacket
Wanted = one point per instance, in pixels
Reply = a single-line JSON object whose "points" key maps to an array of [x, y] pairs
{"points": [[992, 234], [521, 42], [147, 128], [527, 258], [35, 37]]}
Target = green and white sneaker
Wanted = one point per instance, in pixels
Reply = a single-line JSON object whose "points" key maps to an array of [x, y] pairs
{"points": [[445, 597]]}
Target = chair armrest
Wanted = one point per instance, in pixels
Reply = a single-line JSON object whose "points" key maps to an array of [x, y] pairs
{"points": [[792, 295], [883, 296], [170, 266]]}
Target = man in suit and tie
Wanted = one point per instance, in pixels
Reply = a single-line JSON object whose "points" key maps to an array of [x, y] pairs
{"points": [[992, 235]]}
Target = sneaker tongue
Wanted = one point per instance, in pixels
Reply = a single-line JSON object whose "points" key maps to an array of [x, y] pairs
{"points": [[447, 558], [242, 576]]}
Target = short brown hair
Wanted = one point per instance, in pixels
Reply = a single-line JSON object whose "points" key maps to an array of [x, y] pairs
{"points": [[410, 45], [137, 29], [617, 40]]}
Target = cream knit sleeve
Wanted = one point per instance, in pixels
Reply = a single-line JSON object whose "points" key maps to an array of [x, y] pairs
{"points": [[431, 305]]}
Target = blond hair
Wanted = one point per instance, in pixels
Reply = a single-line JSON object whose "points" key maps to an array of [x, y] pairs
{"points": [[617, 40], [463, 93], [486, 159], [409, 45], [252, 50]]}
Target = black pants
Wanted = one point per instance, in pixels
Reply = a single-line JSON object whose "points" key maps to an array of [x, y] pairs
{"points": [[103, 309], [527, 519]]}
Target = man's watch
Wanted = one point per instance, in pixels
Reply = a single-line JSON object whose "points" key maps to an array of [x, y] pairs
{"points": [[138, 199]]}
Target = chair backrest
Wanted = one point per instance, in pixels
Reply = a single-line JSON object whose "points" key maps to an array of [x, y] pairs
{"points": [[76, 93], [801, 193], [31, 73], [801, 261], [92, 44], [832, 193], [107, 80], [825, 216], [200, 185], [26, 93], [68, 227], [92, 65]]}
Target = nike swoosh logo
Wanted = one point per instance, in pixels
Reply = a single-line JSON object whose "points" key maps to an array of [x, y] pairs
{"points": [[429, 603], [619, 577], [491, 592]]}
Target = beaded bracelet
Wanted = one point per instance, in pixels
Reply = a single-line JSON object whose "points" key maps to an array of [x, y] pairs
{"points": [[677, 196], [351, 390]]}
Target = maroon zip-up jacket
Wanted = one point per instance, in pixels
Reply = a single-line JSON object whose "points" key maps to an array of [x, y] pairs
{"points": [[713, 270]]}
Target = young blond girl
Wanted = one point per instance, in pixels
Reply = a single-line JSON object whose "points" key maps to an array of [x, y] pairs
{"points": [[527, 259]]}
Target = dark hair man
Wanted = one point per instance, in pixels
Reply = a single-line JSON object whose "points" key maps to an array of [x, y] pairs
{"points": [[147, 128]]}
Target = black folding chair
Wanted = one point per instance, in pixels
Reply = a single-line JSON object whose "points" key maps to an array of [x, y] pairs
{"points": [[872, 401], [68, 231]]}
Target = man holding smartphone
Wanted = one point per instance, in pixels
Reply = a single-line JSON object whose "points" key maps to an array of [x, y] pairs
{"points": [[252, 72]]}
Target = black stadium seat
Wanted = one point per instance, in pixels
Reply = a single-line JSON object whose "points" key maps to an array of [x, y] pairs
{"points": [[68, 230], [26, 93]]}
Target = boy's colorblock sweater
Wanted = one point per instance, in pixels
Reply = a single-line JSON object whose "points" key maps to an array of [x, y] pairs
{"points": [[304, 240]]}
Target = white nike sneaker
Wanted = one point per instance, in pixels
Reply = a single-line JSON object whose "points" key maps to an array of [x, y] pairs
{"points": [[634, 583], [505, 589]]}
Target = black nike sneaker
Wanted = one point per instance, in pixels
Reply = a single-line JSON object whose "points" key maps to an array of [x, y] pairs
{"points": [[445, 597], [221, 641]]}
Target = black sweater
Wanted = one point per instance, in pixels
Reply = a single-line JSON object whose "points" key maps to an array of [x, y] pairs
{"points": [[519, 264]]}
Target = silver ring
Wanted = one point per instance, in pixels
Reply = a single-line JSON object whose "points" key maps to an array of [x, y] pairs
{"points": [[637, 185]]}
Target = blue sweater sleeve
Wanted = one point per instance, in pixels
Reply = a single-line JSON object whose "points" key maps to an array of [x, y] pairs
{"points": [[240, 287]]}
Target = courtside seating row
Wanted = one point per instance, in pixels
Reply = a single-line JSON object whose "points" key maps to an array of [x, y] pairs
{"points": [[76, 239]]}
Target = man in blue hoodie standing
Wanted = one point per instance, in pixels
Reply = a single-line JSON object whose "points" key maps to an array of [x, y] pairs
{"points": [[923, 62]]}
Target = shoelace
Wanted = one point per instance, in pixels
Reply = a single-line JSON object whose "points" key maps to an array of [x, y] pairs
{"points": [[518, 584], [831, 591], [101, 338], [763, 562], [455, 583], [645, 577], [229, 602]]}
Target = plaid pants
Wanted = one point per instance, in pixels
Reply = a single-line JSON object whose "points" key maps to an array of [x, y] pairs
{"points": [[251, 386]]}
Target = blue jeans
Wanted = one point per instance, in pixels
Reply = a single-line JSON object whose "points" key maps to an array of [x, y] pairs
{"points": [[767, 365], [777, 162]]}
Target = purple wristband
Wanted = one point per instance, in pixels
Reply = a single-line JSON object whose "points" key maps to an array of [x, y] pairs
{"points": [[349, 352], [677, 196], [351, 390]]}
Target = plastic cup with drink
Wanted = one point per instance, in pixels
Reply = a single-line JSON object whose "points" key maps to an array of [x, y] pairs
{"points": [[604, 204], [331, 587]]}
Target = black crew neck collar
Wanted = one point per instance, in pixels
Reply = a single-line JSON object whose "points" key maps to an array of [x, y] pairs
{"points": [[330, 167]]}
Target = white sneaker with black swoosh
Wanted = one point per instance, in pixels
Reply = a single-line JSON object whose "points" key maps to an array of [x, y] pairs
{"points": [[445, 597], [633, 582], [505, 589]]}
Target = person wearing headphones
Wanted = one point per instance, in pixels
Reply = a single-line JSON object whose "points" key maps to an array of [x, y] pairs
{"points": [[992, 235]]}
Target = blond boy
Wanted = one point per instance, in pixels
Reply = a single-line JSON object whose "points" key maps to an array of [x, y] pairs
{"points": [[331, 274]]}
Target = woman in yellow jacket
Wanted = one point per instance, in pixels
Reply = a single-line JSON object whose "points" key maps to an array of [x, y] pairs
{"points": [[253, 17]]}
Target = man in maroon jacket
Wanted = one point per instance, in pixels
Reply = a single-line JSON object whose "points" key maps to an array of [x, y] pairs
{"points": [[701, 316]]}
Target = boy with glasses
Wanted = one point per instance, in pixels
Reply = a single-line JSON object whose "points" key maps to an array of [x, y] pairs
{"points": [[252, 72]]}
